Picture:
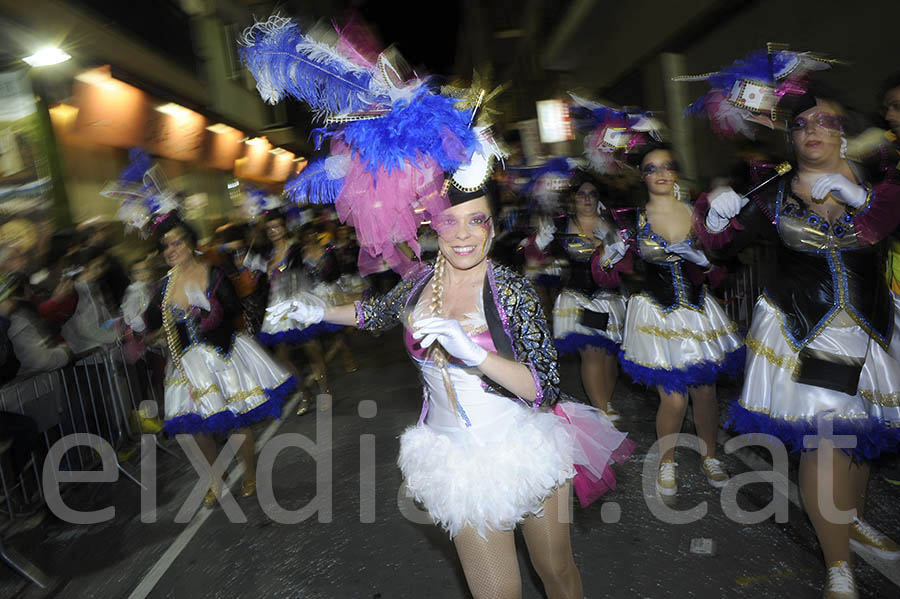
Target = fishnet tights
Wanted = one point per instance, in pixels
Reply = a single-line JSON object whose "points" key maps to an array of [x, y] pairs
{"points": [[492, 568]]}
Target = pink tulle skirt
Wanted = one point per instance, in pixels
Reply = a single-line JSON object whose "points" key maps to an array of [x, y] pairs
{"points": [[597, 445]]}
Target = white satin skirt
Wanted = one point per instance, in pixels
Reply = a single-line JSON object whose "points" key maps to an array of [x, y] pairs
{"points": [[680, 349], [772, 402], [215, 393], [568, 332]]}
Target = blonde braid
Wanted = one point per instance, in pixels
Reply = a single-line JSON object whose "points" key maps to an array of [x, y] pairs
{"points": [[439, 354]]}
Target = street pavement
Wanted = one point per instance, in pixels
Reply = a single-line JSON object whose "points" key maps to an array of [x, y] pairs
{"points": [[367, 548]]}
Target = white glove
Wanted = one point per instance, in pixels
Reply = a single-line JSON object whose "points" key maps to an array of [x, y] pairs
{"points": [[545, 232], [277, 311], [613, 253], [452, 337], [137, 324], [844, 190], [691, 254], [725, 205], [196, 297], [306, 314]]}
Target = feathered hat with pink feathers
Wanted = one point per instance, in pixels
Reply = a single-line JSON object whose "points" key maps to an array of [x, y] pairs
{"points": [[388, 137]]}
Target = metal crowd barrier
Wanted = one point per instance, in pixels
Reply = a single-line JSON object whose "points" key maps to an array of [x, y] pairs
{"points": [[95, 394], [86, 396]]}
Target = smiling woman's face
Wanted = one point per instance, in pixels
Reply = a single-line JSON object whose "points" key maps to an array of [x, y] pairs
{"points": [[177, 246], [465, 232], [659, 172]]}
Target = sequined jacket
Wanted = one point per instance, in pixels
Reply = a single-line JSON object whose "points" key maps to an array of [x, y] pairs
{"points": [[515, 320], [821, 268], [214, 327]]}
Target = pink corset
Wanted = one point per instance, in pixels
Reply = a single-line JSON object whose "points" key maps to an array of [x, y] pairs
{"points": [[419, 353]]}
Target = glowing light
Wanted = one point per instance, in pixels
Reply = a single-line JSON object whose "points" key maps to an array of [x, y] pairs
{"points": [[554, 121], [175, 110], [220, 128], [47, 56]]}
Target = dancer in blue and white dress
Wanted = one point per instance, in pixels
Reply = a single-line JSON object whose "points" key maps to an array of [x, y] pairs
{"points": [[678, 339], [587, 318], [218, 379], [823, 344]]}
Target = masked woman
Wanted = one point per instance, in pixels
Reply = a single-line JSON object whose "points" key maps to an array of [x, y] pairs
{"points": [[586, 318], [823, 354], [493, 449], [218, 380], [677, 338]]}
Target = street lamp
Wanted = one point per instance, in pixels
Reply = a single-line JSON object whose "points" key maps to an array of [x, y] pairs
{"points": [[47, 56]]}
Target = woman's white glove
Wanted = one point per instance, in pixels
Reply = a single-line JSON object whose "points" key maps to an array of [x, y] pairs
{"points": [[725, 205], [843, 188], [613, 253], [136, 324], [689, 253], [305, 308], [306, 314], [196, 297], [545, 232], [452, 337]]}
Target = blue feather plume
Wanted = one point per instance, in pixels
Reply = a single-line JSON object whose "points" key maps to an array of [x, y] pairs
{"points": [[419, 127], [599, 115], [284, 61], [757, 66], [140, 163], [313, 185]]}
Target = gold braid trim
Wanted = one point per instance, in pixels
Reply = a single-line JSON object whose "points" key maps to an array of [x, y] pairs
{"points": [[730, 329], [790, 418], [885, 400], [169, 324], [784, 362]]}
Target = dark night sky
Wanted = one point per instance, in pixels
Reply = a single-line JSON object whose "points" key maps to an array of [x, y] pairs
{"points": [[424, 32]]}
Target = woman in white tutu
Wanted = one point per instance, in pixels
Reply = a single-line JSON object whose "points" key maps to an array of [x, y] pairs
{"points": [[677, 338], [823, 342], [586, 319], [492, 448], [218, 379]]}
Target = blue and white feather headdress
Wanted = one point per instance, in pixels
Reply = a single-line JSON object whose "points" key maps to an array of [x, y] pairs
{"points": [[143, 192], [388, 138], [612, 133], [748, 91]]}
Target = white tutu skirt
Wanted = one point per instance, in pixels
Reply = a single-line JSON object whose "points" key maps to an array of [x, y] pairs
{"points": [[463, 481], [568, 332], [679, 349], [773, 403], [212, 393]]}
